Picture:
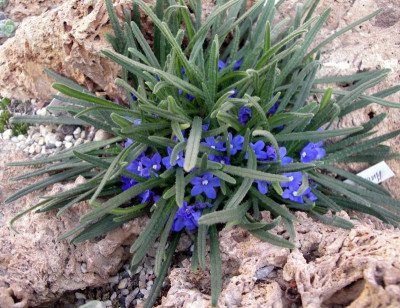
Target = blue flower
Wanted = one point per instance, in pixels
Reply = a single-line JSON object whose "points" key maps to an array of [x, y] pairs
{"points": [[309, 195], [236, 143], [130, 141], [237, 65], [295, 179], [258, 150], [137, 167], [274, 108], [262, 186], [218, 159], [205, 185], [179, 160], [206, 125], [128, 183], [186, 217], [271, 154], [146, 196], [312, 151], [291, 194], [212, 143], [134, 97], [244, 115], [151, 164], [202, 205], [234, 94], [190, 97], [221, 65]]}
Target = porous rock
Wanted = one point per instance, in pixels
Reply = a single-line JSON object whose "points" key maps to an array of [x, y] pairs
{"points": [[330, 266], [35, 268], [67, 38]]}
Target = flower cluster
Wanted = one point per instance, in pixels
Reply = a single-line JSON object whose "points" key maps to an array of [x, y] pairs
{"points": [[206, 184]]}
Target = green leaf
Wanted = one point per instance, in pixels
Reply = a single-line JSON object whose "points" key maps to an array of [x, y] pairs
{"points": [[314, 136], [180, 187], [216, 272], [272, 239], [254, 174], [224, 216], [193, 144], [83, 96], [335, 221], [46, 120]]}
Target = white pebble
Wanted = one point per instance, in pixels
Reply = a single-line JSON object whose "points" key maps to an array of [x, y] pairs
{"points": [[84, 268], [83, 134], [38, 148], [68, 138], [7, 134], [40, 141], [32, 149], [78, 141], [42, 112], [123, 284], [114, 296], [43, 151], [21, 138], [15, 139], [108, 303], [68, 145], [50, 139], [79, 295], [101, 135], [77, 131], [58, 144]]}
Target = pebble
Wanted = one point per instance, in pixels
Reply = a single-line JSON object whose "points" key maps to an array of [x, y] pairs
{"points": [[84, 268], [15, 139], [113, 280], [125, 292], [50, 139], [101, 135], [42, 112], [77, 132], [58, 144], [79, 295], [69, 138], [123, 284], [114, 296], [21, 138], [32, 149], [264, 271], [78, 141], [68, 145]]}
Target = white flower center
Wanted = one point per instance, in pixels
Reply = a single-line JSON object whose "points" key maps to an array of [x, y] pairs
{"points": [[295, 193], [204, 182], [290, 178], [154, 166], [139, 168], [223, 162], [231, 146], [304, 154], [213, 147], [177, 157]]}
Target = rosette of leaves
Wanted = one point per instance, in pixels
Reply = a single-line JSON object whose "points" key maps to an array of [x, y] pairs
{"points": [[224, 121], [8, 27]]}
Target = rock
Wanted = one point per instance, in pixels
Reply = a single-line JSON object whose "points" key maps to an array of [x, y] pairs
{"points": [[58, 144], [330, 267], [69, 138], [50, 139], [79, 295], [35, 268], [71, 46], [123, 284], [7, 134], [68, 145], [42, 112], [101, 135]]}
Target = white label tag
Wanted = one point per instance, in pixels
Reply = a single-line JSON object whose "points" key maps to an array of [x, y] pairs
{"points": [[376, 174]]}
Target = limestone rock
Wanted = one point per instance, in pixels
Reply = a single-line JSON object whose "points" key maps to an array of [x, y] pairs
{"points": [[35, 268], [17, 10], [354, 268], [68, 39]]}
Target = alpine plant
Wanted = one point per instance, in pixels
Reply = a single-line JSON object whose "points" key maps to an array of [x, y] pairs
{"points": [[222, 120]]}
